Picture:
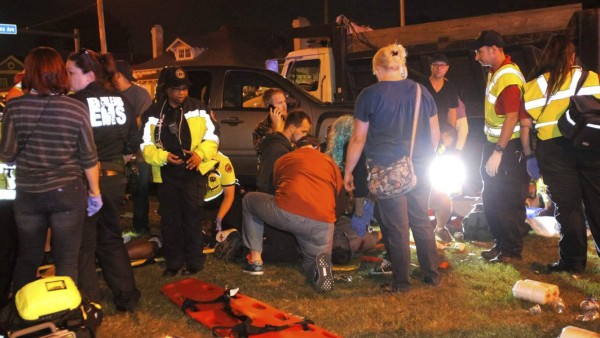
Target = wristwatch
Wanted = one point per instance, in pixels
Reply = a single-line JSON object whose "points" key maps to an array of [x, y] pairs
{"points": [[498, 148]]}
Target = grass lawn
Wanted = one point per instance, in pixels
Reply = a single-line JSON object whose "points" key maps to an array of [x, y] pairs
{"points": [[474, 300]]}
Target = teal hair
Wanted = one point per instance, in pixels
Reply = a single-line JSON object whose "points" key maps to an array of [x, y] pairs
{"points": [[339, 135]]}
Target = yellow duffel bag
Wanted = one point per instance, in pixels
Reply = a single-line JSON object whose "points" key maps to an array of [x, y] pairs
{"points": [[47, 297]]}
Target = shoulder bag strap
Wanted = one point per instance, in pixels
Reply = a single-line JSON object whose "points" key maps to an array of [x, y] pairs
{"points": [[584, 75], [415, 119], [37, 122]]}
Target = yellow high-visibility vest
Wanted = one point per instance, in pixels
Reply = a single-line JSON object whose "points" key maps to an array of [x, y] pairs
{"points": [[546, 119], [505, 76]]}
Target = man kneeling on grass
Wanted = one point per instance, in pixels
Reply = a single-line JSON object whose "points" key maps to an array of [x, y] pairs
{"points": [[309, 191]]}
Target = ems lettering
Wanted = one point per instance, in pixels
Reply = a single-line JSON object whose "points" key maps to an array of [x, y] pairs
{"points": [[107, 111]]}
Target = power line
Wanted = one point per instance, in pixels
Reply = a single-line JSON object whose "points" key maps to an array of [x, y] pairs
{"points": [[92, 5]]}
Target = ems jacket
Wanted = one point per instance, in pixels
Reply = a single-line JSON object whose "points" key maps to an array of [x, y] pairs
{"points": [[113, 122], [203, 130], [546, 119], [505, 76]]}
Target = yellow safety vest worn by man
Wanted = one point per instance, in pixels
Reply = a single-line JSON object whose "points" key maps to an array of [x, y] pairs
{"points": [[508, 75]]}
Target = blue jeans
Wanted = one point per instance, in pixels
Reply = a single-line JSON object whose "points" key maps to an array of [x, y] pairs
{"points": [[63, 210], [397, 215], [141, 204], [313, 237]]}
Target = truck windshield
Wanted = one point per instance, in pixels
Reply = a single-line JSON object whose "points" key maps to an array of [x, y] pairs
{"points": [[305, 73]]}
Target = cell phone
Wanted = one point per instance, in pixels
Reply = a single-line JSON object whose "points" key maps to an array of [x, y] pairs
{"points": [[271, 107]]}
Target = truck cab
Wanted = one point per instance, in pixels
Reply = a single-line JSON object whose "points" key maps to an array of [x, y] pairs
{"points": [[312, 70]]}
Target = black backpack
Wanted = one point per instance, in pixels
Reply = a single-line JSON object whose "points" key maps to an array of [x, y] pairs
{"points": [[232, 249], [83, 321], [475, 225]]}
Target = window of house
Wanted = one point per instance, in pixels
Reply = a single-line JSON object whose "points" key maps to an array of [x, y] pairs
{"points": [[3, 83], [184, 53]]}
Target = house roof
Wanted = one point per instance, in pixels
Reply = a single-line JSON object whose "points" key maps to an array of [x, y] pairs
{"points": [[229, 46], [17, 65]]}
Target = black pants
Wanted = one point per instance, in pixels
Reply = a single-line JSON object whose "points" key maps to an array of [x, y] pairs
{"points": [[573, 179], [8, 248], [181, 221], [504, 197], [102, 239]]}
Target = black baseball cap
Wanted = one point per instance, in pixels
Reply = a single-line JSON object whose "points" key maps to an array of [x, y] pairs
{"points": [[440, 58], [124, 68], [175, 77], [488, 38]]}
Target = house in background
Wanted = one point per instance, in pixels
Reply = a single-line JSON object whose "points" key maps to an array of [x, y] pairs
{"points": [[228, 46], [9, 67]]}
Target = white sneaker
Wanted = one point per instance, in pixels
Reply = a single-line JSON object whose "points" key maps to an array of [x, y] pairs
{"points": [[384, 268]]}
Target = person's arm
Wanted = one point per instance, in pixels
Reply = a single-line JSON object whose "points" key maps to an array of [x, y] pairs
{"points": [[208, 146], [355, 148], [509, 105], [153, 155], [462, 131], [525, 132], [452, 117], [493, 162], [92, 175], [228, 196]]}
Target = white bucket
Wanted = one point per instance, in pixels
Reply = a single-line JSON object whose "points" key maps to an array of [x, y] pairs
{"points": [[534, 291], [575, 332]]}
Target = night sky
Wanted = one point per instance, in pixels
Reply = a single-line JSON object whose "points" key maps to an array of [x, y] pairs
{"points": [[128, 22]]}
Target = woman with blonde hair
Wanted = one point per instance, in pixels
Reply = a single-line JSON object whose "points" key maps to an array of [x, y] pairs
{"points": [[383, 123]]}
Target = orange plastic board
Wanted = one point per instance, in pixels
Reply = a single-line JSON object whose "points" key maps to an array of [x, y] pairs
{"points": [[211, 315]]}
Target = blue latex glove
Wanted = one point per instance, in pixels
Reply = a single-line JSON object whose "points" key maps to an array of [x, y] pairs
{"points": [[218, 224], [532, 167], [94, 204], [360, 223]]}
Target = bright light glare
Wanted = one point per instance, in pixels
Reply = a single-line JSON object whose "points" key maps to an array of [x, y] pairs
{"points": [[447, 174]]}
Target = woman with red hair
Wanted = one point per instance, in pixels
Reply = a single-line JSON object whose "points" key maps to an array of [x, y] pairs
{"points": [[49, 136]]}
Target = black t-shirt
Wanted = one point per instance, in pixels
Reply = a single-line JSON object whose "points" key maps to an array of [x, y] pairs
{"points": [[445, 99], [113, 122]]}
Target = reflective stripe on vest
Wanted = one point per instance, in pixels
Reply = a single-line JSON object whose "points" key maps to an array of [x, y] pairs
{"points": [[563, 94], [547, 115], [495, 131], [505, 76], [492, 98]]}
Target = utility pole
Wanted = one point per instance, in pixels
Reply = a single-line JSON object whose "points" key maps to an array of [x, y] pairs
{"points": [[100, 6]]}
